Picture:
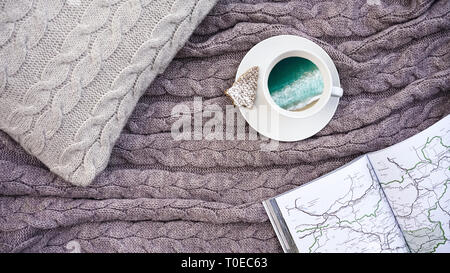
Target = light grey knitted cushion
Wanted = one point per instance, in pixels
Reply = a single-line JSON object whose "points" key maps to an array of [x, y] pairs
{"points": [[71, 72]]}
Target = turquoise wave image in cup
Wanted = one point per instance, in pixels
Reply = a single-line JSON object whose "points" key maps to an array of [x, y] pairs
{"points": [[295, 83]]}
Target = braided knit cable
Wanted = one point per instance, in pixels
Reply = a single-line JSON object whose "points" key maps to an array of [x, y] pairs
{"points": [[83, 74], [28, 34], [89, 152], [57, 70], [12, 12]]}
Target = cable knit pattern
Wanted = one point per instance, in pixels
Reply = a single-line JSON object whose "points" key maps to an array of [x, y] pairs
{"points": [[28, 34], [56, 71], [162, 195], [84, 72], [94, 140], [99, 35], [12, 12]]}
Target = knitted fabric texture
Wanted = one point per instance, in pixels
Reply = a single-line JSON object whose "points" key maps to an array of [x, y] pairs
{"points": [[162, 195], [71, 72]]}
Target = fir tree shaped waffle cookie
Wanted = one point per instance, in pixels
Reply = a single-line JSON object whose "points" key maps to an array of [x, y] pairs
{"points": [[243, 91]]}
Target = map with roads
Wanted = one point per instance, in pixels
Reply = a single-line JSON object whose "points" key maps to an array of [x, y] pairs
{"points": [[393, 200], [415, 178], [345, 211]]}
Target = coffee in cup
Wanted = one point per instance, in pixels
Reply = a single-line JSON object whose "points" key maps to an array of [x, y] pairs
{"points": [[295, 83]]}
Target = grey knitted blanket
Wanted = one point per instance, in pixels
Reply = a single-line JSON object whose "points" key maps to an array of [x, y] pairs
{"points": [[159, 194]]}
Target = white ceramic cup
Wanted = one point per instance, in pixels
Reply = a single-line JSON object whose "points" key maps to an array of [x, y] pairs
{"points": [[328, 91]]}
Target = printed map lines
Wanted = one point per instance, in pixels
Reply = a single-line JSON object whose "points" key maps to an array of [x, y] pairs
{"points": [[427, 160], [331, 221], [431, 158]]}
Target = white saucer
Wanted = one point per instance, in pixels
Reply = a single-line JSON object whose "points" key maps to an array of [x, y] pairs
{"points": [[286, 128]]}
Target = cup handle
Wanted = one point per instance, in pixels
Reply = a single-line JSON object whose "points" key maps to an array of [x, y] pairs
{"points": [[337, 91]]}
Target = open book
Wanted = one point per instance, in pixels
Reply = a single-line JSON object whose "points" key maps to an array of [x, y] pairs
{"points": [[393, 200]]}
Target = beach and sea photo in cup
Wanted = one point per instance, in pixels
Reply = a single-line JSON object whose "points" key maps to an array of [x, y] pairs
{"points": [[295, 83]]}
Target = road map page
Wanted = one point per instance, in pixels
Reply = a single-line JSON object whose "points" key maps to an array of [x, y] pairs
{"points": [[344, 211], [415, 176]]}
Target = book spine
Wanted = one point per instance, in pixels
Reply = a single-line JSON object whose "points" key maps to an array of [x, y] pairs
{"points": [[279, 225]]}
